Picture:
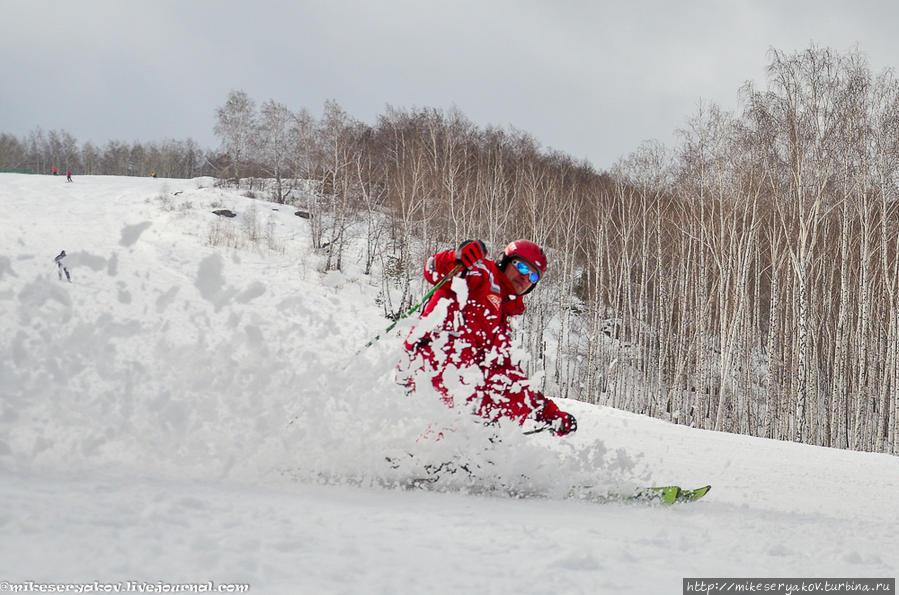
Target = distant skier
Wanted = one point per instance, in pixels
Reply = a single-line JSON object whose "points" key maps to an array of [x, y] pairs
{"points": [[61, 267], [463, 344], [68, 176]]}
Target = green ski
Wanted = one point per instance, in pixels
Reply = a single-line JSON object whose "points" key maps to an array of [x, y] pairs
{"points": [[661, 494], [671, 494]]}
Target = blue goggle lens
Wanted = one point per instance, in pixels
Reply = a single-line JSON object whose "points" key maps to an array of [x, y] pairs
{"points": [[525, 270]]}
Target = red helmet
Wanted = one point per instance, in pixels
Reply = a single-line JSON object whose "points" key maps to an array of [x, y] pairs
{"points": [[525, 250]]}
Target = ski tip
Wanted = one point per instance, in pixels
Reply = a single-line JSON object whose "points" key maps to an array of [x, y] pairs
{"points": [[693, 495], [672, 494]]}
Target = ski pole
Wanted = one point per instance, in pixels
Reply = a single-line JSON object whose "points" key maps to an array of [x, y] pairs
{"points": [[437, 286]]}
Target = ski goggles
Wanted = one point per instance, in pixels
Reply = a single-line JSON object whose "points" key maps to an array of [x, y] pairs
{"points": [[526, 271]]}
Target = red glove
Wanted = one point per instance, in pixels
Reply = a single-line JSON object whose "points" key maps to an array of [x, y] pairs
{"points": [[559, 422], [470, 252]]}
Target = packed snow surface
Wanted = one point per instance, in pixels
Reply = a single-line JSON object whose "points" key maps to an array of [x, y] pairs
{"points": [[189, 409]]}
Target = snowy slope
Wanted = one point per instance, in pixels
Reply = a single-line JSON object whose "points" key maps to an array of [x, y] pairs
{"points": [[145, 435]]}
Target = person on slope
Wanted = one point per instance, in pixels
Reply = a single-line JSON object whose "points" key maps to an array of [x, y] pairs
{"points": [[463, 340], [61, 266]]}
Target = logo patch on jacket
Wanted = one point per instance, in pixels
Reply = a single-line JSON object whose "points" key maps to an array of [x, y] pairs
{"points": [[494, 299]]}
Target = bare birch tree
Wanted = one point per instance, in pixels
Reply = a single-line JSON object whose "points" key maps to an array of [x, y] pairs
{"points": [[235, 126]]}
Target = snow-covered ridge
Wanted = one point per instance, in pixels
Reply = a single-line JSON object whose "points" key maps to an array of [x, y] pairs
{"points": [[190, 382]]}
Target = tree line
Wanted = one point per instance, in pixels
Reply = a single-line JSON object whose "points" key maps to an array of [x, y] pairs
{"points": [[39, 152], [745, 280]]}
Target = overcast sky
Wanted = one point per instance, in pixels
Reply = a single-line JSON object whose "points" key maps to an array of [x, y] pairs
{"points": [[591, 78]]}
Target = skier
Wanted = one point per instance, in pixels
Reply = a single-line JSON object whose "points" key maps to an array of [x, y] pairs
{"points": [[464, 339], [61, 268], [68, 176]]}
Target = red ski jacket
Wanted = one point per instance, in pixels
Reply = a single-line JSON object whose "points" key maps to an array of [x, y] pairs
{"points": [[464, 341]]}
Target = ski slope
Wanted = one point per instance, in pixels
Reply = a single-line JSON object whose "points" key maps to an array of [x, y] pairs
{"points": [[146, 433]]}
